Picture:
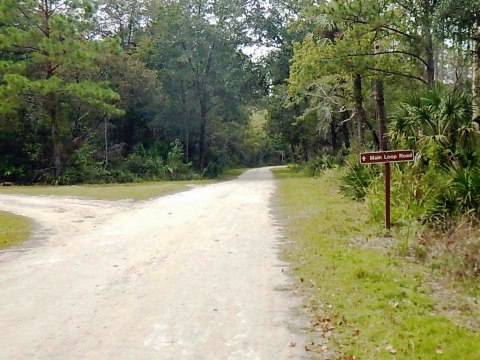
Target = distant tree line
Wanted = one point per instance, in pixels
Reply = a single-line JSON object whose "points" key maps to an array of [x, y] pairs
{"points": [[95, 91]]}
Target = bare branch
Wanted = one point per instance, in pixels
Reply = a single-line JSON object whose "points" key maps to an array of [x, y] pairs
{"points": [[30, 19], [381, 26], [391, 52], [350, 118], [395, 30], [392, 72]]}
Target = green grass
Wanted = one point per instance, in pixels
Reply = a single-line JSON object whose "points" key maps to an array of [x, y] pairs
{"points": [[134, 191], [375, 304], [231, 174], [13, 229]]}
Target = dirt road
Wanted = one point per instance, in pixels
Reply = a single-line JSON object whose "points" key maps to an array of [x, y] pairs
{"points": [[194, 275]]}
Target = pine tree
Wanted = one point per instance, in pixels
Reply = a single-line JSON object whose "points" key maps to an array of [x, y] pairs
{"points": [[47, 55]]}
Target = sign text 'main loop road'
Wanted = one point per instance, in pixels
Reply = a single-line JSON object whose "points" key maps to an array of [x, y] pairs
{"points": [[380, 157]]}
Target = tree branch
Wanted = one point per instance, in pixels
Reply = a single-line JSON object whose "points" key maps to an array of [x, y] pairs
{"points": [[30, 19], [381, 26], [395, 30], [392, 72], [391, 52], [30, 48]]}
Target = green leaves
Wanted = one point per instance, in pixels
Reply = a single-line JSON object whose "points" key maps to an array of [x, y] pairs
{"points": [[47, 69], [436, 123], [97, 94]]}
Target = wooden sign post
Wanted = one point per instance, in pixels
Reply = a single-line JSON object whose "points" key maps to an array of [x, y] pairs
{"points": [[387, 157]]}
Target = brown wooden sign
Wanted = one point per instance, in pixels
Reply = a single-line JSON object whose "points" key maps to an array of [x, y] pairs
{"points": [[387, 157], [382, 157]]}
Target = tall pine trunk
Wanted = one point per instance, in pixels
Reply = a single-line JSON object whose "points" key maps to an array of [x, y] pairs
{"points": [[333, 135], [203, 126], [51, 101], [51, 109], [345, 132], [429, 48], [358, 99], [56, 142], [476, 70], [380, 107], [187, 146], [381, 114]]}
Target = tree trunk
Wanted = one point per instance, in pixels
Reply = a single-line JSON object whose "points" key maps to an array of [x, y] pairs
{"points": [[105, 134], [374, 133], [361, 117], [56, 144], [203, 126], [430, 58], [476, 70], [51, 108], [129, 130], [294, 155], [346, 134], [380, 107], [304, 146], [333, 132], [187, 146]]}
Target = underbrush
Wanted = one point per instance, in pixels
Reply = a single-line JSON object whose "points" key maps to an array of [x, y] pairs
{"points": [[88, 166], [452, 252], [363, 302], [434, 213], [319, 164]]}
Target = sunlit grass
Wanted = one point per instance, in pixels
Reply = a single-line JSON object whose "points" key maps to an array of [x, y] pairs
{"points": [[231, 174], [376, 303], [134, 191], [13, 229]]}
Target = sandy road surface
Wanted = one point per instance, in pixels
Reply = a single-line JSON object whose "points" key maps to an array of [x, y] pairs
{"points": [[194, 275]]}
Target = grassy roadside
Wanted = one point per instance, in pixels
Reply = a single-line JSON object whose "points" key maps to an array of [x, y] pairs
{"points": [[363, 303], [135, 191], [13, 229]]}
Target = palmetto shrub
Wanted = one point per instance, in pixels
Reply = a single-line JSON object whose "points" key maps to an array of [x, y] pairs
{"points": [[356, 180], [461, 194], [320, 163], [438, 125]]}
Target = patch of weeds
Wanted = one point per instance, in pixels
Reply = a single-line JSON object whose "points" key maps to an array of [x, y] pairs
{"points": [[134, 191], [377, 304], [14, 229], [230, 174]]}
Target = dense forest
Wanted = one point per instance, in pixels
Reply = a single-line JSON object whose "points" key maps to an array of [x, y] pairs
{"points": [[97, 91], [115, 91]]}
